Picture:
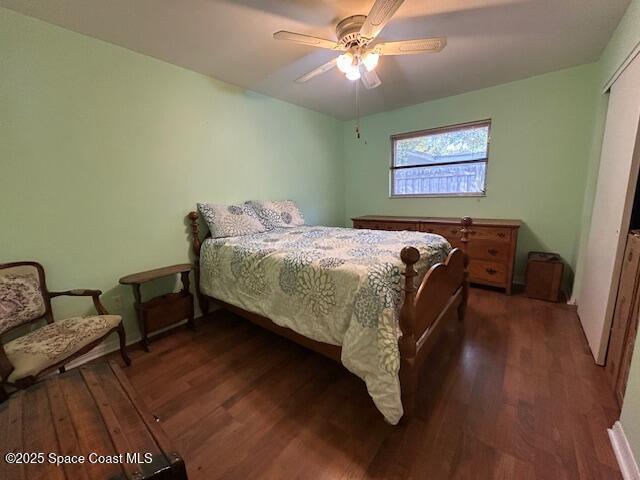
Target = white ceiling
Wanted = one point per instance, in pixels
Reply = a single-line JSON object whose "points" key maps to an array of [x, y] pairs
{"points": [[489, 42]]}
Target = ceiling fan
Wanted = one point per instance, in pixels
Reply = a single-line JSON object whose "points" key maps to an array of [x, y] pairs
{"points": [[355, 36]]}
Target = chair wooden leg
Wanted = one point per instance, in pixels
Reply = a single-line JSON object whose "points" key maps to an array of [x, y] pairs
{"points": [[123, 345], [62, 369]]}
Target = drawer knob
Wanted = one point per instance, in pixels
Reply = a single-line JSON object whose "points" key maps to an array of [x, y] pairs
{"points": [[492, 251], [491, 271], [501, 234]]}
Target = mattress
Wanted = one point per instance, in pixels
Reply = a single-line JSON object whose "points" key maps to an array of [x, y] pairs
{"points": [[334, 285]]}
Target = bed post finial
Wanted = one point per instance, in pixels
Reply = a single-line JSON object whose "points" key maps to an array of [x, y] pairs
{"points": [[195, 232], [407, 342], [465, 230]]}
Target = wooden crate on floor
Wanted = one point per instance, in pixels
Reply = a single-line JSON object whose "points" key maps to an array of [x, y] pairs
{"points": [[544, 276]]}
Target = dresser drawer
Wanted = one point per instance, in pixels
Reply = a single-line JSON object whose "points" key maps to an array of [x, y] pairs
{"points": [[447, 231], [443, 231], [391, 226], [490, 250], [396, 226], [490, 233], [483, 271]]}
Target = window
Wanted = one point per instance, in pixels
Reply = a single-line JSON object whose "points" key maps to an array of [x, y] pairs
{"points": [[447, 161]]}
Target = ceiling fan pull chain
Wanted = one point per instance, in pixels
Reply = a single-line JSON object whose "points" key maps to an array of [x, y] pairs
{"points": [[357, 113]]}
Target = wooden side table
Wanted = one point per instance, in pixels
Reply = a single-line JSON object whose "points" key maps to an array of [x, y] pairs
{"points": [[165, 310]]}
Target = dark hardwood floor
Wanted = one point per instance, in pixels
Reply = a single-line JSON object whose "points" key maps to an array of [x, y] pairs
{"points": [[513, 395]]}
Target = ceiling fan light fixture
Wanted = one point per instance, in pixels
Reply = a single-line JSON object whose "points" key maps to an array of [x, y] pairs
{"points": [[356, 40], [370, 60], [345, 62], [353, 73]]}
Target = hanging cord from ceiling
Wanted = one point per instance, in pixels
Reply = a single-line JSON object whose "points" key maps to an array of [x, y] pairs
{"points": [[357, 113]]}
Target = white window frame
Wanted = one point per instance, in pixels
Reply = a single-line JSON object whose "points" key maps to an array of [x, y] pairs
{"points": [[433, 131]]}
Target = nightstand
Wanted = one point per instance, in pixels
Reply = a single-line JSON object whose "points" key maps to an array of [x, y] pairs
{"points": [[163, 311]]}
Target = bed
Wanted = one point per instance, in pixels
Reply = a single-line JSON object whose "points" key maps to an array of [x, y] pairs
{"points": [[373, 300]]}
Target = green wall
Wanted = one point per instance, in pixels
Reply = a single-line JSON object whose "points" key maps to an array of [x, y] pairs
{"points": [[540, 142], [103, 151]]}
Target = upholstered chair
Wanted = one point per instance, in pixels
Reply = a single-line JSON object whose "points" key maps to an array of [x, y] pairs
{"points": [[24, 299]]}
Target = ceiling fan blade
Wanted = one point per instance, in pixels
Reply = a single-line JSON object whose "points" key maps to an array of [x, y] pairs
{"points": [[317, 71], [307, 40], [408, 47], [370, 79], [380, 14]]}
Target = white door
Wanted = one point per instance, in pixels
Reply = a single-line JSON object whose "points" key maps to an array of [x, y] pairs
{"points": [[611, 210]]}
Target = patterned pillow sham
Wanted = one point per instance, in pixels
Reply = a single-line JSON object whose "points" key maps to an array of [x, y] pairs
{"points": [[277, 214], [230, 220]]}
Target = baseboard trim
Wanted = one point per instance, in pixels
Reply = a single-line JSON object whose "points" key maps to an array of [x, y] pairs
{"points": [[112, 345], [623, 453], [101, 350]]}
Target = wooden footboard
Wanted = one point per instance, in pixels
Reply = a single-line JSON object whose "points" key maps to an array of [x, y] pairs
{"points": [[442, 295], [425, 309]]}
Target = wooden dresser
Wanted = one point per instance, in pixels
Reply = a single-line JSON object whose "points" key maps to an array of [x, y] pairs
{"points": [[491, 246]]}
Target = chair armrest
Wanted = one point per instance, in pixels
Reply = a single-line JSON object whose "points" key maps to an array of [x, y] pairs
{"points": [[95, 294]]}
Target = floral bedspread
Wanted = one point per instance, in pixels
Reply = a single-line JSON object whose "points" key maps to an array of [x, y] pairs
{"points": [[335, 285]]}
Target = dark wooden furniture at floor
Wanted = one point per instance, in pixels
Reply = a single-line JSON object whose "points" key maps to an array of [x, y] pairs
{"points": [[165, 310], [624, 327], [544, 276], [517, 397], [27, 300], [91, 410], [426, 309], [491, 243]]}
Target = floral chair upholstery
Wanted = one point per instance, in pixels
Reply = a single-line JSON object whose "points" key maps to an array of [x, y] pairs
{"points": [[24, 299]]}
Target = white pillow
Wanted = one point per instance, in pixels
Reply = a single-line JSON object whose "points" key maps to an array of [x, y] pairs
{"points": [[277, 214], [230, 220]]}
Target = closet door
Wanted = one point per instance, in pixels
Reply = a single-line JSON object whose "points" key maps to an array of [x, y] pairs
{"points": [[611, 210], [624, 315]]}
